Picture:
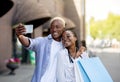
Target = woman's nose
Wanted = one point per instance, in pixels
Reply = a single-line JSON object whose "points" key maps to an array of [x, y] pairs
{"points": [[65, 38]]}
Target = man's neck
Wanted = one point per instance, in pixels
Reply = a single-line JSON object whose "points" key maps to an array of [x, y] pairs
{"points": [[58, 40]]}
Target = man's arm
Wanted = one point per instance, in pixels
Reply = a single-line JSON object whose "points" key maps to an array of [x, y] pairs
{"points": [[24, 40], [20, 30]]}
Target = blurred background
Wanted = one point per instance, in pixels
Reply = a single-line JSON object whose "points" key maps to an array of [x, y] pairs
{"points": [[95, 21], [102, 33]]}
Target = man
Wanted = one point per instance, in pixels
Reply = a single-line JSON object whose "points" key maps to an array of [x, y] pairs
{"points": [[45, 49]]}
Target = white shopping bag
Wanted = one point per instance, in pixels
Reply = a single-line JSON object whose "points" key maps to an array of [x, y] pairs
{"points": [[78, 76]]}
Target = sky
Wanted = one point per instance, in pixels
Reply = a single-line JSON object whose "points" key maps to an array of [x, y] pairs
{"points": [[99, 9]]}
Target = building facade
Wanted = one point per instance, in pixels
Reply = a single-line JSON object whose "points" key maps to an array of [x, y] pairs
{"points": [[68, 9]]}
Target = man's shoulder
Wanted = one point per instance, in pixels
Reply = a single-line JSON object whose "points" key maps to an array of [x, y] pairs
{"points": [[63, 54], [44, 38], [63, 51]]}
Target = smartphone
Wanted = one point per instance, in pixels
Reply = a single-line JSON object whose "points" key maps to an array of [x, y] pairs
{"points": [[29, 28]]}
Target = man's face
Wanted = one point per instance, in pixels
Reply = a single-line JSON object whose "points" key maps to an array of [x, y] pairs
{"points": [[56, 29]]}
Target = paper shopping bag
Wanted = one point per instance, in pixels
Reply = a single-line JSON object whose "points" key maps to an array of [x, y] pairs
{"points": [[93, 70], [78, 75]]}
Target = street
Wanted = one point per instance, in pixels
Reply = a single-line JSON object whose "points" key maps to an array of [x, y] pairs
{"points": [[23, 74]]}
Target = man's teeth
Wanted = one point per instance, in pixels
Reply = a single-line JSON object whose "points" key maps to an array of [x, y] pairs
{"points": [[55, 33]]}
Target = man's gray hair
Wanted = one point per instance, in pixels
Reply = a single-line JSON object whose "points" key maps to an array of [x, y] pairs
{"points": [[58, 18]]}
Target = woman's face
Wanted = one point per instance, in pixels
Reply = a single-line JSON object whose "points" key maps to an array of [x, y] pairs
{"points": [[68, 39]]}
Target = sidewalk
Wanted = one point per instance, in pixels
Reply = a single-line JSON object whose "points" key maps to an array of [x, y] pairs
{"points": [[23, 74]]}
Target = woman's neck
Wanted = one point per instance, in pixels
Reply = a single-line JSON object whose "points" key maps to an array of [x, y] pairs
{"points": [[72, 51]]}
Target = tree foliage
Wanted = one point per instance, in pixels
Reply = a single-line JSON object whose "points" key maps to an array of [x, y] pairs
{"points": [[109, 27]]}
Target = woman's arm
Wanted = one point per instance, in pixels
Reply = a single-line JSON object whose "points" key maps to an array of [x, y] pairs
{"points": [[80, 51]]}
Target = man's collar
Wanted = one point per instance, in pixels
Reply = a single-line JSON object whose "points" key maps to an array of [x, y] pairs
{"points": [[50, 36]]}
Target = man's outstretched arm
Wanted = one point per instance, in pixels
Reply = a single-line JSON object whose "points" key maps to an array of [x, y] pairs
{"points": [[20, 30]]}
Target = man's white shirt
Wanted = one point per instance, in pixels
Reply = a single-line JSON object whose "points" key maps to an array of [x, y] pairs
{"points": [[50, 74]]}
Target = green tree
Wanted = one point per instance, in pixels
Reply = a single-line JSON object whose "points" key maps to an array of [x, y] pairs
{"points": [[108, 27]]}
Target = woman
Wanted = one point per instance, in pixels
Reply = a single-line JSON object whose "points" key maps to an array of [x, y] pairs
{"points": [[66, 57]]}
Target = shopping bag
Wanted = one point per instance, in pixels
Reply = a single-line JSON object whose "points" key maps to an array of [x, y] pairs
{"points": [[92, 70], [78, 75]]}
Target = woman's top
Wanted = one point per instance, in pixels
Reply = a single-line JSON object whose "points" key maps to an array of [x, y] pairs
{"points": [[65, 68]]}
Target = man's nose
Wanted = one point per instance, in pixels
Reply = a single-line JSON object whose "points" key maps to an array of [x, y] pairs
{"points": [[54, 29]]}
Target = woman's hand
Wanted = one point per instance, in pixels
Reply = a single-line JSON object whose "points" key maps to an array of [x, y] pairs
{"points": [[80, 51]]}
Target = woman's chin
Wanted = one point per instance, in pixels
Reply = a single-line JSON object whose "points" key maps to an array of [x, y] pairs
{"points": [[66, 46]]}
